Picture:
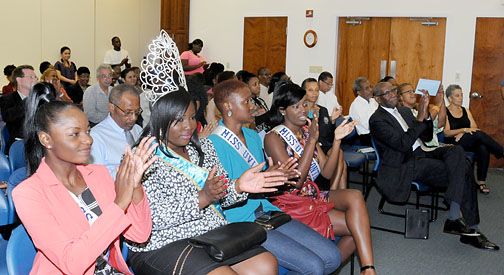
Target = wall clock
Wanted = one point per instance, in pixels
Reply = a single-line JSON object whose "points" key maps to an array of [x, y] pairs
{"points": [[310, 38]]}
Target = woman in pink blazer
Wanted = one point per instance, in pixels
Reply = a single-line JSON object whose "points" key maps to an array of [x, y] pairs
{"points": [[74, 212]]}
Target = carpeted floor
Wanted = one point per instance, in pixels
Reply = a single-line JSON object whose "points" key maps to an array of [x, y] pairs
{"points": [[441, 253]]}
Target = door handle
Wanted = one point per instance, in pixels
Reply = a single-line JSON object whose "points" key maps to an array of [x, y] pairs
{"points": [[476, 95], [393, 65], [383, 68]]}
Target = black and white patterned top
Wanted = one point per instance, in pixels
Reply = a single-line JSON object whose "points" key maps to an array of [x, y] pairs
{"points": [[174, 204]]}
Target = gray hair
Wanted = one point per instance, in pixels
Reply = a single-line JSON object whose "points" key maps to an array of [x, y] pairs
{"points": [[102, 67], [118, 91], [377, 88], [451, 89], [357, 83]]}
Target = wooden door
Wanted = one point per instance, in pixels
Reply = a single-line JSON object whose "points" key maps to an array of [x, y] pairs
{"points": [[417, 49], [264, 43], [175, 21], [487, 74], [361, 49]]}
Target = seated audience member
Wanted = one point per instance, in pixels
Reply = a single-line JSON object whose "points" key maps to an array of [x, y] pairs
{"points": [[74, 212], [76, 91], [399, 138], [197, 91], [362, 108], [348, 217], [320, 255], [12, 105], [212, 113], [275, 78], [239, 74], [10, 87], [139, 83], [437, 110], [327, 98], [389, 79], [44, 65], [95, 101], [116, 55], [129, 76], [263, 122], [118, 130], [326, 133], [186, 187], [50, 76], [461, 129], [116, 76], [264, 75], [210, 75], [191, 61], [253, 83], [66, 69]]}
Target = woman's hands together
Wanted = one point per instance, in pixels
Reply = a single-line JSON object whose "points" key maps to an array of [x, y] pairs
{"points": [[131, 170], [255, 181], [214, 189], [344, 129], [288, 168]]}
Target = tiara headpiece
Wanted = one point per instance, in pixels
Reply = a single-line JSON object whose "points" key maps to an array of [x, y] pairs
{"points": [[162, 70]]}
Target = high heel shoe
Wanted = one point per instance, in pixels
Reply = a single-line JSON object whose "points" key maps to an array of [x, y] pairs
{"points": [[484, 189]]}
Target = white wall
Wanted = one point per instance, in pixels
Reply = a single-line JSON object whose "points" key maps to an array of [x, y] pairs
{"points": [[219, 23], [35, 30]]}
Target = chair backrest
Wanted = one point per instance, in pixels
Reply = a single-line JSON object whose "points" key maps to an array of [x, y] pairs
{"points": [[16, 177], [20, 252], [5, 169], [441, 136], [17, 155], [5, 137], [375, 167]]}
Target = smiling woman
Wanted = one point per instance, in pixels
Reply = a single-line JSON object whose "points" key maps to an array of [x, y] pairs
{"points": [[75, 213]]}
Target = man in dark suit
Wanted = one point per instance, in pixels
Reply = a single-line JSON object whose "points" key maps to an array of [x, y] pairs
{"points": [[400, 138], [12, 105]]}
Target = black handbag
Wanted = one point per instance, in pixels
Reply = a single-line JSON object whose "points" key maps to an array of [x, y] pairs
{"points": [[273, 219], [229, 240]]}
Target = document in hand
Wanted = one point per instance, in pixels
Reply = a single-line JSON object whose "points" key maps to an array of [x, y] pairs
{"points": [[430, 85]]}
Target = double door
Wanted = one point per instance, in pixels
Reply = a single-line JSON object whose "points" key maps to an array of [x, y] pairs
{"points": [[405, 48]]}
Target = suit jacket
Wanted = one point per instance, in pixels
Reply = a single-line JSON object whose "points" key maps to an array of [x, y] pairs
{"points": [[13, 113], [395, 147], [65, 242]]}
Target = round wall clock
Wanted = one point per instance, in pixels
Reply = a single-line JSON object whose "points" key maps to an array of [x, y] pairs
{"points": [[310, 38]]}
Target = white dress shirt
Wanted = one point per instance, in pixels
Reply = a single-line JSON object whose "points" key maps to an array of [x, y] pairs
{"points": [[328, 100], [109, 142], [361, 110], [265, 96], [395, 113]]}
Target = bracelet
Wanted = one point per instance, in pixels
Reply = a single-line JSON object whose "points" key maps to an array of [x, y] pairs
{"points": [[436, 108], [367, 267]]}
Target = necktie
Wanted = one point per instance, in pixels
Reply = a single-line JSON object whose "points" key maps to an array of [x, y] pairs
{"points": [[129, 138], [405, 127]]}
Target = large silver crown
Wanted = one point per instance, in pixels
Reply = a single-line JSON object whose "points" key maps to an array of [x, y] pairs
{"points": [[162, 70]]}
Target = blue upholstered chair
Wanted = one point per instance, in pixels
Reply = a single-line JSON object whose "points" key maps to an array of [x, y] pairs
{"points": [[17, 155], [5, 136], [20, 252], [15, 178], [4, 177]]}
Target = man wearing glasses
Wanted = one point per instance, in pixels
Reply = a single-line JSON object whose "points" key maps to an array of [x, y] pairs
{"points": [[12, 105], [404, 157], [96, 97], [118, 129], [327, 98]]}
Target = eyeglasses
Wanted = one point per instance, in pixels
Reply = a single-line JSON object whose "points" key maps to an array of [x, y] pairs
{"points": [[31, 76], [408, 92], [386, 93], [129, 113], [328, 84], [105, 75]]}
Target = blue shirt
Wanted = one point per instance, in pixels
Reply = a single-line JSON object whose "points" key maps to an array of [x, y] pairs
{"points": [[235, 165], [109, 142]]}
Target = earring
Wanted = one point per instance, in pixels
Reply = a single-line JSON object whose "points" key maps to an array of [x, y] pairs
{"points": [[229, 113]]}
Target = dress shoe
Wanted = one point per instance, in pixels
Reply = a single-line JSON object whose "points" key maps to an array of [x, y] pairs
{"points": [[479, 241], [458, 227]]}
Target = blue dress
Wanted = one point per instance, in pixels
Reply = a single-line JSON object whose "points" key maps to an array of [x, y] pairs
{"points": [[235, 165]]}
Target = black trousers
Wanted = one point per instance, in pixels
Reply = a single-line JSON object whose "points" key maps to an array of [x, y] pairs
{"points": [[448, 167], [482, 145]]}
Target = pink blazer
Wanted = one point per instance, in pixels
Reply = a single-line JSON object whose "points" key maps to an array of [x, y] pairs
{"points": [[65, 242]]}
